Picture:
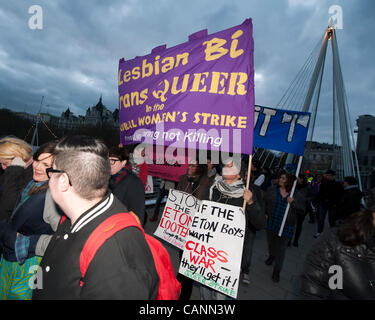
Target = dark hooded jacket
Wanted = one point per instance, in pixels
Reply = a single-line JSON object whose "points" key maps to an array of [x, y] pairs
{"points": [[12, 182], [329, 257], [349, 203], [129, 189]]}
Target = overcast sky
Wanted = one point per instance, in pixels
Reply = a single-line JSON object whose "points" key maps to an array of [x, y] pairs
{"points": [[74, 58]]}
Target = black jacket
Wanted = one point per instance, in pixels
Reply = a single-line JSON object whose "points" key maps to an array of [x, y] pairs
{"points": [[330, 193], [28, 221], [304, 194], [130, 190], [123, 268], [358, 269], [13, 181], [349, 203]]}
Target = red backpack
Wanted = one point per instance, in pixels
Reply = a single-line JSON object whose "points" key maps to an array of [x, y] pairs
{"points": [[169, 287]]}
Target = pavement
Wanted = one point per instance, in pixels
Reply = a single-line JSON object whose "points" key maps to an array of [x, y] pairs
{"points": [[261, 286]]}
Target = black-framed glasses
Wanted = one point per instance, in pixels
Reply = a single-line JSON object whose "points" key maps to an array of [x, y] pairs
{"points": [[113, 161], [49, 171]]}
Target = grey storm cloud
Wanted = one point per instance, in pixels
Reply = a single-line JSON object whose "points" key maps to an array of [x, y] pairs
{"points": [[74, 58]]}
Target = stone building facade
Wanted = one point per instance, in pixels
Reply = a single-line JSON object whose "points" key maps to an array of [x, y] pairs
{"points": [[366, 149], [97, 115], [319, 157]]}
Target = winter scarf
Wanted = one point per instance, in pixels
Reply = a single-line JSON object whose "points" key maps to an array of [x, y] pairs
{"points": [[117, 177], [233, 190]]}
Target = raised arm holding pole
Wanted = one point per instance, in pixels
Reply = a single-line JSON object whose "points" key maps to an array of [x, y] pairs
{"points": [[248, 179], [291, 195]]}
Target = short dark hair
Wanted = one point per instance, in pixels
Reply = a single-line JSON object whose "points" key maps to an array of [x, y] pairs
{"points": [[48, 147], [119, 152], [85, 160]]}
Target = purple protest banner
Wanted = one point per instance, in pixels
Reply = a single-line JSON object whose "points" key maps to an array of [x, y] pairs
{"points": [[197, 95]]}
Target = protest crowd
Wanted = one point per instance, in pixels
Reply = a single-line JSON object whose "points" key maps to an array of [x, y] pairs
{"points": [[74, 210]]}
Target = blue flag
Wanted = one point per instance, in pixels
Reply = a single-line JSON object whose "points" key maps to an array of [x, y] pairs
{"points": [[281, 130]]}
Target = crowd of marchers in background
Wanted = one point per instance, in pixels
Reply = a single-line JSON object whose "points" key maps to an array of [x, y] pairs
{"points": [[53, 201]]}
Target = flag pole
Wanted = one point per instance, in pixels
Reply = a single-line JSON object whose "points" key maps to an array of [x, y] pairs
{"points": [[291, 195]]}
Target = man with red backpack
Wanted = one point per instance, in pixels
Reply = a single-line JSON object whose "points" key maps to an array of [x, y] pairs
{"points": [[99, 250]]}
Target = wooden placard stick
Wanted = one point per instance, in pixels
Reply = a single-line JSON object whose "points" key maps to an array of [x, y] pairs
{"points": [[248, 179]]}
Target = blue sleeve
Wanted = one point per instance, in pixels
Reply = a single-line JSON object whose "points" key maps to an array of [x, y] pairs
{"points": [[22, 248]]}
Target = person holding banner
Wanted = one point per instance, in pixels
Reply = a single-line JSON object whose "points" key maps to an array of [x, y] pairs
{"points": [[230, 189], [195, 182], [276, 200], [125, 184]]}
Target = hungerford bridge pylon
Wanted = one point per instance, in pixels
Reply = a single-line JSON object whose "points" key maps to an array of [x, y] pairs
{"points": [[305, 91]]}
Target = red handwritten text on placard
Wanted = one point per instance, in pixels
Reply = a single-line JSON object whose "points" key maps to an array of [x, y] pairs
{"points": [[199, 254]]}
